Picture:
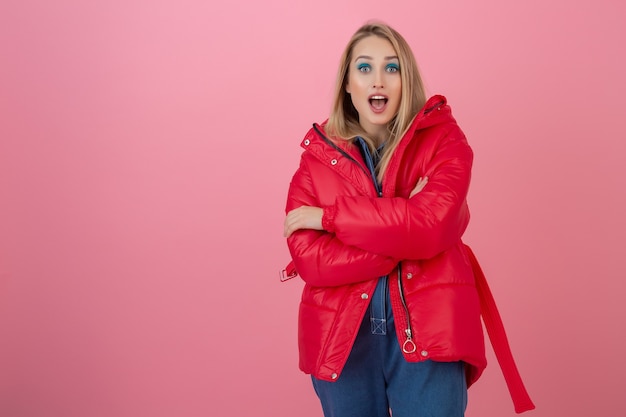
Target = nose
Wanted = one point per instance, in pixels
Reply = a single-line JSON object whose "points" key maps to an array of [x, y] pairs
{"points": [[378, 79]]}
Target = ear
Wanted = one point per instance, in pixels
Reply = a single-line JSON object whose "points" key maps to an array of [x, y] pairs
{"points": [[348, 88]]}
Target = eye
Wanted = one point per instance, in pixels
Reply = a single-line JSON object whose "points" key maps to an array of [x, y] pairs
{"points": [[392, 67], [363, 67]]}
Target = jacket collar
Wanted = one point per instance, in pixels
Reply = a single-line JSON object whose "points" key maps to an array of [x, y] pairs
{"points": [[345, 158]]}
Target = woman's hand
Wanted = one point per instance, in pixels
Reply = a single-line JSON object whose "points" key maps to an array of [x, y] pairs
{"points": [[304, 217], [421, 183]]}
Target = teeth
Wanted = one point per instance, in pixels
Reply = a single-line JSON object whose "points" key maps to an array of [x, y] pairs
{"points": [[377, 98]]}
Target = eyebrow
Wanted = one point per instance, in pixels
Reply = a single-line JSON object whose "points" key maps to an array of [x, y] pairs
{"points": [[387, 58]]}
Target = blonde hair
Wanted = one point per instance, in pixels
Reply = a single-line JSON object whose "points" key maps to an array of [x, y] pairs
{"points": [[343, 122]]}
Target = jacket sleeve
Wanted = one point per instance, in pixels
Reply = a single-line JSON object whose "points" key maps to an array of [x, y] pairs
{"points": [[319, 257], [420, 227]]}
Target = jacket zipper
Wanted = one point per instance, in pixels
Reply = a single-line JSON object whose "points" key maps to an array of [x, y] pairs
{"points": [[409, 345]]}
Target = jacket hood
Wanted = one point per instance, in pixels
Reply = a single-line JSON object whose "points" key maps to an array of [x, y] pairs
{"points": [[435, 111]]}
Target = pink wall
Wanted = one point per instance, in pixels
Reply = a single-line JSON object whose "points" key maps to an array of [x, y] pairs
{"points": [[145, 152]]}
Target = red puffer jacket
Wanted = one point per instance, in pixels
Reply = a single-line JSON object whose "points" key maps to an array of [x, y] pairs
{"points": [[416, 241]]}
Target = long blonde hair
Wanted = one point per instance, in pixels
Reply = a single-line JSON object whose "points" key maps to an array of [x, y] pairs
{"points": [[343, 122]]}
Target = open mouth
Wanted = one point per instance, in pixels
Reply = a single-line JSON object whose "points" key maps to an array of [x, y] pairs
{"points": [[378, 102]]}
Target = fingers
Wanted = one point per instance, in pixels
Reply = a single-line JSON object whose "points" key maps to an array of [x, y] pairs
{"points": [[421, 183], [290, 225], [294, 221], [304, 217]]}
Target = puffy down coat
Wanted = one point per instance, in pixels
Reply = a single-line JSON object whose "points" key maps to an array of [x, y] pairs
{"points": [[416, 241]]}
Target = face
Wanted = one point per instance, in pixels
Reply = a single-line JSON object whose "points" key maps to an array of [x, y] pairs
{"points": [[374, 84]]}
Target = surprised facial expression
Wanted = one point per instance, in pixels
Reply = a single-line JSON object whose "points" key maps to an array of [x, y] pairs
{"points": [[374, 84]]}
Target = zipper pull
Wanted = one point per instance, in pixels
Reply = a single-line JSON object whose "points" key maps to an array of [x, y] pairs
{"points": [[409, 346]]}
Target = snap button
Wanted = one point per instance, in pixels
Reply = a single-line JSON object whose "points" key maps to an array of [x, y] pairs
{"points": [[364, 296], [333, 162], [424, 353], [307, 142], [409, 275], [334, 376]]}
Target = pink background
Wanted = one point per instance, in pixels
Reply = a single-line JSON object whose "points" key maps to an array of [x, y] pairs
{"points": [[145, 152]]}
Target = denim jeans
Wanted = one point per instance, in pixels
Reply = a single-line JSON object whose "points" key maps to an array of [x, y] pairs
{"points": [[377, 381]]}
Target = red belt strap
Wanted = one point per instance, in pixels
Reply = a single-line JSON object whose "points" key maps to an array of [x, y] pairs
{"points": [[499, 341]]}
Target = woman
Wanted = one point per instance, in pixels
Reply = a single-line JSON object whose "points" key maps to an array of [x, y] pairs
{"points": [[390, 313]]}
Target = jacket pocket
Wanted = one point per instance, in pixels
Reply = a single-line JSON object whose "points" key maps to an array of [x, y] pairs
{"points": [[451, 267]]}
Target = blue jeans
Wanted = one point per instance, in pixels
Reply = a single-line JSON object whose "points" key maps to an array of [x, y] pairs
{"points": [[377, 379]]}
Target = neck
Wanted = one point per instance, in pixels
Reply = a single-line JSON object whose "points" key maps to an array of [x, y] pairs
{"points": [[379, 136]]}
